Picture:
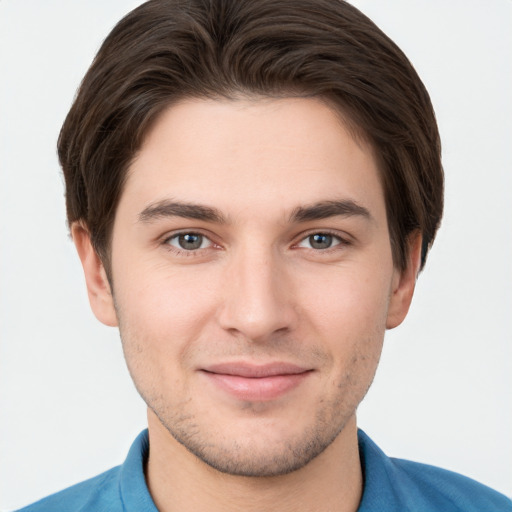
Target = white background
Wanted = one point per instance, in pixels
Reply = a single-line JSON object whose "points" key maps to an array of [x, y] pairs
{"points": [[443, 393]]}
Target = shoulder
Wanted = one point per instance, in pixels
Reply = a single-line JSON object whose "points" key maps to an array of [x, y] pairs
{"points": [[118, 488], [440, 489], [395, 484], [98, 494]]}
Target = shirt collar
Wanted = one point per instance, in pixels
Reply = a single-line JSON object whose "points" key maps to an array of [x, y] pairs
{"points": [[132, 484]]}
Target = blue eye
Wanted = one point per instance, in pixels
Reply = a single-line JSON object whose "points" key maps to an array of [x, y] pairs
{"points": [[320, 241], [189, 241]]}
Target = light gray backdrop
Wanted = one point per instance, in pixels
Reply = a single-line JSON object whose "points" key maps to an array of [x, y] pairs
{"points": [[443, 393]]}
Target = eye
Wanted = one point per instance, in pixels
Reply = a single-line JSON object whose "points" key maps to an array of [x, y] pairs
{"points": [[189, 241], [320, 241]]}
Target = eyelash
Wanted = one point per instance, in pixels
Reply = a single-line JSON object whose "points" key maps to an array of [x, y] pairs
{"points": [[187, 252], [341, 243]]}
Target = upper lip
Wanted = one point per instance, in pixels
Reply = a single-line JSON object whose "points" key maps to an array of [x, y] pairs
{"points": [[254, 371]]}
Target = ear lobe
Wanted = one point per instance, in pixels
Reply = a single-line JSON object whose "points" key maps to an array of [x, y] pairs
{"points": [[404, 283], [98, 286]]}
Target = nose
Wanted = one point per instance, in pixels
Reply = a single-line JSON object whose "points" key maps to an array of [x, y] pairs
{"points": [[257, 296]]}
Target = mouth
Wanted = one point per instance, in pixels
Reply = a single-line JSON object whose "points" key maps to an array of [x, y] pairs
{"points": [[260, 383]]}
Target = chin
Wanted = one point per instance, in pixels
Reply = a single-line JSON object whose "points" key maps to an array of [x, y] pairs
{"points": [[257, 447]]}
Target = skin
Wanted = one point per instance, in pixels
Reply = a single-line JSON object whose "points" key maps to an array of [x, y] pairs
{"points": [[257, 290]]}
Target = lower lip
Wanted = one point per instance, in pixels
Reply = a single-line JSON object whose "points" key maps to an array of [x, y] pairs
{"points": [[259, 389]]}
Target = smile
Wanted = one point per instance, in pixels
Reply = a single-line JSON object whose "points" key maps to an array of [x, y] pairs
{"points": [[256, 382]]}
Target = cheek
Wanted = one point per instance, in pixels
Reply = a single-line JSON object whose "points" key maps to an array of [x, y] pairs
{"points": [[348, 301], [161, 310], [349, 317]]}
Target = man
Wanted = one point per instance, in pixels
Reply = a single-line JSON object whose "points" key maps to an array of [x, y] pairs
{"points": [[252, 188]]}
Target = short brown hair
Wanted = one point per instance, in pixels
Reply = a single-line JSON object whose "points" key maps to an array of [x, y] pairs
{"points": [[167, 50]]}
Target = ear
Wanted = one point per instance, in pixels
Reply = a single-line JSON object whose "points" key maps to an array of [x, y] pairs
{"points": [[404, 282], [98, 286]]}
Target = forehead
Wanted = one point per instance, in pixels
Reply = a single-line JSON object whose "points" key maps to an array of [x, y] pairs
{"points": [[258, 155]]}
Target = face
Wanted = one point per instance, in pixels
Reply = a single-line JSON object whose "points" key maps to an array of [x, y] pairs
{"points": [[252, 279]]}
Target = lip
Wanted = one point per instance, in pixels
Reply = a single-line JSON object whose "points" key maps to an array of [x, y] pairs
{"points": [[258, 383]]}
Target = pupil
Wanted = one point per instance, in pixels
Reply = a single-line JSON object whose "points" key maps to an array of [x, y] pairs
{"points": [[190, 241], [320, 241]]}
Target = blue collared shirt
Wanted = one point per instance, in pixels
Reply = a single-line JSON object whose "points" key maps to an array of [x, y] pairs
{"points": [[389, 485]]}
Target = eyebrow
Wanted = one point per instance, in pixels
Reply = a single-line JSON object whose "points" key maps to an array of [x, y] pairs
{"points": [[326, 209], [316, 211], [167, 208]]}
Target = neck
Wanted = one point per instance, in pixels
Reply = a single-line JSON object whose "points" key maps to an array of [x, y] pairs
{"points": [[179, 481]]}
